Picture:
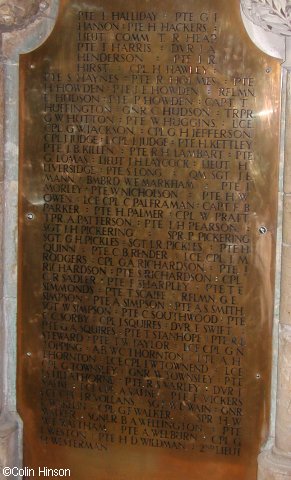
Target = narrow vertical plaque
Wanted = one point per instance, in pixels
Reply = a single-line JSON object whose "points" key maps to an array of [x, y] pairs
{"points": [[148, 192]]}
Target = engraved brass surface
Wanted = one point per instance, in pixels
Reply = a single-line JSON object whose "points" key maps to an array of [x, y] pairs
{"points": [[147, 219]]}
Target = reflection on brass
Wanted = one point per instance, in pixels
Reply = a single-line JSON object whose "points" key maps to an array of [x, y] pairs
{"points": [[148, 191]]}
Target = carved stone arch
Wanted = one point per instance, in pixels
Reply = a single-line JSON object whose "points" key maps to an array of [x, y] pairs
{"points": [[264, 37], [14, 14], [272, 15]]}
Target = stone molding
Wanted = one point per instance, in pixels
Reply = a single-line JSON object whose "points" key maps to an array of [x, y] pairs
{"points": [[272, 15], [24, 25], [272, 466], [15, 14]]}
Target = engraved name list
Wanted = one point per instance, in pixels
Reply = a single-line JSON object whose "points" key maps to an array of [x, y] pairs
{"points": [[149, 225]]}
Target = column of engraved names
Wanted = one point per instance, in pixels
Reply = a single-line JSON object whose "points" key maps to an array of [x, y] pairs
{"points": [[140, 149], [76, 323], [148, 183]]}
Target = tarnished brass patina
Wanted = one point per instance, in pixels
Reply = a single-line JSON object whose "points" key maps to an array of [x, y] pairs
{"points": [[147, 224]]}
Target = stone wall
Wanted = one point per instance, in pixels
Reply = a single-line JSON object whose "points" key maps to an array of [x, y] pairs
{"points": [[24, 25]]}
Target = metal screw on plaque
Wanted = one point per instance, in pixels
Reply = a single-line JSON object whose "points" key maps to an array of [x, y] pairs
{"points": [[258, 376], [268, 70], [30, 216], [28, 354], [263, 230]]}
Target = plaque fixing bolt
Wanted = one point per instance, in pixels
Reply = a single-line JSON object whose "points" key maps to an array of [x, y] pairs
{"points": [[258, 376], [263, 230], [268, 70], [30, 216], [28, 354]]}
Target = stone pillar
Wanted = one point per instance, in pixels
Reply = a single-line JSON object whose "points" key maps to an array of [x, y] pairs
{"points": [[24, 24], [274, 463]]}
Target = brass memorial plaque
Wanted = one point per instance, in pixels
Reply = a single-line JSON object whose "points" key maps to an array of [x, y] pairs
{"points": [[148, 193]]}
